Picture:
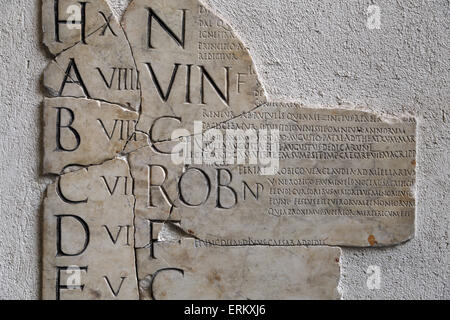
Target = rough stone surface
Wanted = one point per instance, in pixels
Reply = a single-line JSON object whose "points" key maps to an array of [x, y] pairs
{"points": [[403, 76]]}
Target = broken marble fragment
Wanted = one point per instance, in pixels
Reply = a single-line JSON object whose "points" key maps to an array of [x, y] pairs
{"points": [[102, 67], [195, 270], [190, 61], [68, 22], [252, 197], [85, 132], [88, 243], [339, 178]]}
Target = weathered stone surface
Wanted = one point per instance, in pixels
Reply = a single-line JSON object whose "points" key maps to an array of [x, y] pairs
{"points": [[174, 44], [195, 270], [217, 223], [102, 67], [344, 178], [88, 224], [72, 22], [190, 61], [85, 132]]}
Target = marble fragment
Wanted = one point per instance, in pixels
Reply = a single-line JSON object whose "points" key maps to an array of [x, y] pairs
{"points": [[88, 243], [190, 61], [192, 270], [85, 132], [340, 178], [66, 23], [101, 67], [198, 79], [177, 179]]}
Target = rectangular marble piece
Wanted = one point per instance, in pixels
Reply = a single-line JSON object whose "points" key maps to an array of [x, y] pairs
{"points": [[196, 270], [340, 178]]}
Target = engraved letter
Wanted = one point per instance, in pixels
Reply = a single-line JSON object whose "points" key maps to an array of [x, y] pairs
{"points": [[152, 15], [115, 293], [59, 126], [79, 81], [60, 252], [180, 190], [164, 96], [81, 22], [107, 25], [224, 96], [156, 274], [224, 186], [63, 197], [66, 287], [151, 185], [109, 85]]}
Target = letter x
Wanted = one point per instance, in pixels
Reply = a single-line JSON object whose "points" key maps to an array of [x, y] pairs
{"points": [[107, 25]]}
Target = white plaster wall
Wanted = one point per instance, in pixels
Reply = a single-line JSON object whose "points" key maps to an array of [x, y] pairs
{"points": [[316, 52]]}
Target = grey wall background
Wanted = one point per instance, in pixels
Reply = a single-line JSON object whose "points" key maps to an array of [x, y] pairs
{"points": [[317, 52]]}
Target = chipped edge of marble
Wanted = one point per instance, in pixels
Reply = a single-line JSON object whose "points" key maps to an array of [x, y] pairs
{"points": [[242, 39]]}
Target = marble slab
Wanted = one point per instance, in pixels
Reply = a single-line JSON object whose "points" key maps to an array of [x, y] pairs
{"points": [[342, 178], [194, 270], [176, 178], [88, 242]]}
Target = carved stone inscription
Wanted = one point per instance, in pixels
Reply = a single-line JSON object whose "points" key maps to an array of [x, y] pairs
{"points": [[342, 178], [88, 235], [175, 178]]}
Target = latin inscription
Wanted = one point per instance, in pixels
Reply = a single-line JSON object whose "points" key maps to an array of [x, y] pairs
{"points": [[173, 173]]}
